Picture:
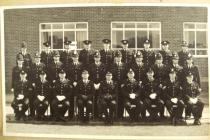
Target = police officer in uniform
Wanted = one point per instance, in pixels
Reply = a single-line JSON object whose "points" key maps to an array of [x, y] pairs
{"points": [[183, 54], [107, 56], [85, 94], [148, 55], [86, 55], [66, 56], [191, 92], [127, 56], [119, 70], [153, 103], [107, 102], [47, 55], [55, 67], [166, 53], [174, 97], [62, 90], [133, 97], [26, 56], [42, 90], [22, 91], [97, 72]]}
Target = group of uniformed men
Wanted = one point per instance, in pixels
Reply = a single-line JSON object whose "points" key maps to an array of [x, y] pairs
{"points": [[107, 83]]}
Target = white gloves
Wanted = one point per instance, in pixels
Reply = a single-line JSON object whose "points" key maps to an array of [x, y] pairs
{"points": [[174, 100], [97, 86], [60, 97], [75, 84], [40, 97], [193, 100], [132, 95], [20, 97], [153, 95]]}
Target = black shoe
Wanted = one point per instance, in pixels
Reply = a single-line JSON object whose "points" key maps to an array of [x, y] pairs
{"points": [[197, 122]]}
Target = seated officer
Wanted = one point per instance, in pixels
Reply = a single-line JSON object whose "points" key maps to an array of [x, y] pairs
{"points": [[22, 91], [133, 99], [191, 92], [42, 89], [107, 101], [85, 92], [62, 90], [174, 101], [152, 101]]}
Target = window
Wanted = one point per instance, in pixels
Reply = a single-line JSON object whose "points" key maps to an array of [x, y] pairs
{"points": [[57, 33], [196, 36], [136, 33]]}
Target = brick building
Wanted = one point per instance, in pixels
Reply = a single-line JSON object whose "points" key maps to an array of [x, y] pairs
{"points": [[174, 24]]}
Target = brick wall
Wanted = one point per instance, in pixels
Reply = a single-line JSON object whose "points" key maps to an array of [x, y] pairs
{"points": [[23, 24]]}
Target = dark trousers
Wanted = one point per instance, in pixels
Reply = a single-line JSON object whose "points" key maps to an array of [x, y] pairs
{"points": [[108, 107], [60, 107], [40, 107], [88, 104], [20, 106], [120, 106], [195, 109], [175, 110], [154, 106]]}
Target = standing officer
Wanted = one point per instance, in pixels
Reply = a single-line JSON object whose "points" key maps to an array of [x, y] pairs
{"points": [[22, 91], [148, 55], [107, 101], [85, 55], [55, 67], [26, 56], [153, 103], [174, 97], [97, 74], [191, 92], [166, 53], [47, 56], [62, 90], [127, 56], [85, 95], [183, 54], [133, 98], [107, 56], [66, 56], [42, 90], [118, 69]]}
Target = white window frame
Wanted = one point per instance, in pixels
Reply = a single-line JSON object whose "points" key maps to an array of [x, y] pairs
{"points": [[63, 30], [136, 29], [195, 30]]}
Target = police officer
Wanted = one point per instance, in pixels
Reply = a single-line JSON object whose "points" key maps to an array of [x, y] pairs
{"points": [[42, 90], [107, 56], [191, 92], [183, 54], [66, 56], [153, 103], [148, 55], [85, 94], [174, 97], [55, 67], [119, 70], [97, 72], [62, 90], [26, 56], [133, 97], [22, 91], [166, 53], [107, 102], [85, 55], [127, 55], [47, 55]]}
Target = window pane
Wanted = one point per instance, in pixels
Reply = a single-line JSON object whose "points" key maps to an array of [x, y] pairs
{"points": [[201, 52], [45, 26], [81, 26], [45, 37], [129, 25], [117, 36], [69, 26], [141, 25], [189, 26], [141, 37], [57, 26], [201, 26], [57, 40], [154, 25], [192, 52], [117, 25], [69, 35], [201, 39], [81, 36], [190, 38], [154, 37], [130, 36]]}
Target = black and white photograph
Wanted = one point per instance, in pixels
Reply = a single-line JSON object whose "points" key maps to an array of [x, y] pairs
{"points": [[105, 71]]}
